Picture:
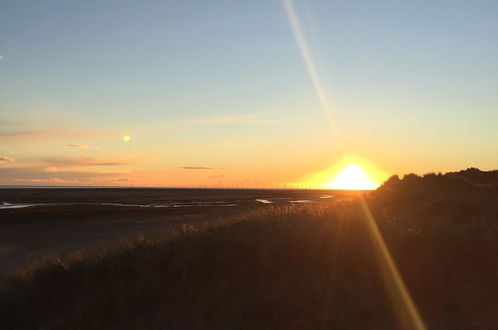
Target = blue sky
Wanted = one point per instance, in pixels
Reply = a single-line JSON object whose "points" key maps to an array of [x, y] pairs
{"points": [[413, 87]]}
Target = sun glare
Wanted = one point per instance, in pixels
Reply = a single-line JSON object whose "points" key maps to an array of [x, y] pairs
{"points": [[349, 173], [353, 177]]}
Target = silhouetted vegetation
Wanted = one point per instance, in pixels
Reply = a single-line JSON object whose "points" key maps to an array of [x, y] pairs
{"points": [[293, 267]]}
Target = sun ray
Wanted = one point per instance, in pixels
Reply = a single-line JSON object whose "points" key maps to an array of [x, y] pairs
{"points": [[354, 178], [311, 68], [407, 312]]}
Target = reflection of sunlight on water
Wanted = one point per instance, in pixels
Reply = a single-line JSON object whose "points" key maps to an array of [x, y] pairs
{"points": [[5, 206], [263, 201], [172, 204]]}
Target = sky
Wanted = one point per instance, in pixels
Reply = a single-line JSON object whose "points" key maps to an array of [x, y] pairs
{"points": [[220, 93]]}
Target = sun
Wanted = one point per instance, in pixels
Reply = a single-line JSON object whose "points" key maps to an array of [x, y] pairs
{"points": [[349, 173], [353, 177], [126, 138]]}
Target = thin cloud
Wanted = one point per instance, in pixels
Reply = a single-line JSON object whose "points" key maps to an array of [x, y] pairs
{"points": [[73, 182], [18, 133], [49, 181], [2, 57], [80, 146], [39, 175], [5, 159], [36, 135], [196, 168], [123, 180], [221, 120], [254, 119], [91, 161], [36, 128], [188, 123], [33, 172]]}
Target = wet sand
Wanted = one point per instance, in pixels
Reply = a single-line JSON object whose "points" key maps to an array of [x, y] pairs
{"points": [[73, 220], [60, 231]]}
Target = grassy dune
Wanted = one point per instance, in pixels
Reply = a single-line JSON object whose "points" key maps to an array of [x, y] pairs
{"points": [[300, 267]]}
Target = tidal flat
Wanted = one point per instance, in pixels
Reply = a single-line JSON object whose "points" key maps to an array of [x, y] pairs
{"points": [[41, 223]]}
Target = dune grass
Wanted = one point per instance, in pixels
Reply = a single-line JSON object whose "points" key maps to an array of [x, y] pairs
{"points": [[295, 267]]}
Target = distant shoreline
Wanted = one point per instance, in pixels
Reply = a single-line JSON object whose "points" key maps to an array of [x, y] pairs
{"points": [[168, 188]]}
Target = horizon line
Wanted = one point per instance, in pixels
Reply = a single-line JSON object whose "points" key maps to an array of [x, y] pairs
{"points": [[170, 187]]}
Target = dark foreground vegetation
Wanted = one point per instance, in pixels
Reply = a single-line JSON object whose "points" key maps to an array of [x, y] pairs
{"points": [[286, 267]]}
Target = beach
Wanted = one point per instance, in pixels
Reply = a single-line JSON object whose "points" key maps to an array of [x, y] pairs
{"points": [[40, 223]]}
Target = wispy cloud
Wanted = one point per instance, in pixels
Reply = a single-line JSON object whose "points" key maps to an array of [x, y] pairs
{"points": [[51, 169], [18, 133], [49, 175], [37, 135], [91, 161], [221, 120], [49, 181], [35, 171], [5, 159], [36, 128], [196, 168], [73, 182], [80, 146], [1, 57]]}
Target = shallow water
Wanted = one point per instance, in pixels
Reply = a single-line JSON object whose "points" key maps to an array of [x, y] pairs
{"points": [[263, 201], [223, 203], [6, 205], [21, 198]]}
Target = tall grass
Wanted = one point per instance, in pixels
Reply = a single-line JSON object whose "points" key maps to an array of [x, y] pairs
{"points": [[299, 267]]}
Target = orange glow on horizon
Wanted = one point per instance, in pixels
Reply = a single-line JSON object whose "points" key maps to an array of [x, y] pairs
{"points": [[352, 173], [353, 177]]}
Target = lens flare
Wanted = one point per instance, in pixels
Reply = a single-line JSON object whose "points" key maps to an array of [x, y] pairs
{"points": [[408, 315], [311, 68], [354, 177]]}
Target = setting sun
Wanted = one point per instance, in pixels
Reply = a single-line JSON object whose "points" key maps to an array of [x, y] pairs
{"points": [[353, 177], [224, 164], [349, 173]]}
